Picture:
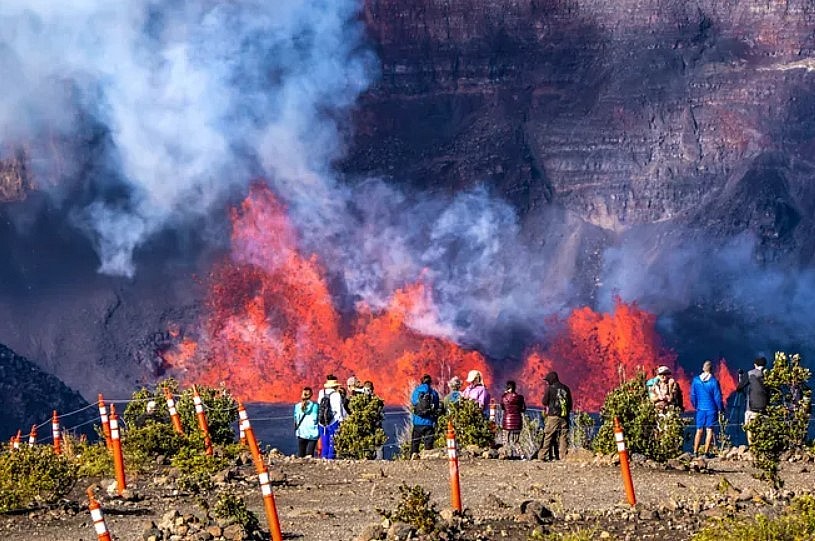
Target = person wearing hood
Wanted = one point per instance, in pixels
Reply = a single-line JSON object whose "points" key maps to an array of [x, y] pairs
{"points": [[477, 391], [757, 398], [706, 398], [557, 405]]}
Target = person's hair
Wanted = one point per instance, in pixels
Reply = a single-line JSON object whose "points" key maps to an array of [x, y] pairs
{"points": [[760, 361], [427, 379], [511, 386], [707, 366], [368, 384], [308, 389]]}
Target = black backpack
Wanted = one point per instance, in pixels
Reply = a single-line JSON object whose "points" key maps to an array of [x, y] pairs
{"points": [[678, 398], [325, 414], [425, 407]]}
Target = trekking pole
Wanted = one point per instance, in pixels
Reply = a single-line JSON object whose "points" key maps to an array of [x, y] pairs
{"points": [[32, 436], [118, 459], [103, 415], [56, 433], [202, 420], [174, 417], [625, 467], [452, 455], [99, 525]]}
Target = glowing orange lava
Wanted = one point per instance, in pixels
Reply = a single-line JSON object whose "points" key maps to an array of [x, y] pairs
{"points": [[271, 326]]}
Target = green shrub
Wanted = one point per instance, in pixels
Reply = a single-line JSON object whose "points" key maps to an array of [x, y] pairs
{"points": [[658, 437], [797, 522], [220, 407], [471, 427], [784, 424], [361, 434], [414, 508], [195, 469], [141, 445], [531, 436], [93, 460], [232, 508], [34, 475], [583, 430]]}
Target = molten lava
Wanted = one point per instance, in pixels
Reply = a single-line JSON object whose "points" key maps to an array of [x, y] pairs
{"points": [[271, 326]]}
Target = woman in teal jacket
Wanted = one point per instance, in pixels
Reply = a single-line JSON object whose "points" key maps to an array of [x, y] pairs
{"points": [[305, 424]]}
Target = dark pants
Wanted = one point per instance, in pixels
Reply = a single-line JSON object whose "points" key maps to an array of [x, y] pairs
{"points": [[305, 447], [422, 434]]}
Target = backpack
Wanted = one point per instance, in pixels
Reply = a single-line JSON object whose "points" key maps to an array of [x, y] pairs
{"points": [[425, 407], [678, 398], [325, 414], [563, 401]]}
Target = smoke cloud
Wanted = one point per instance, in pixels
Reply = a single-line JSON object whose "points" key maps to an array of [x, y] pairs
{"points": [[196, 98]]}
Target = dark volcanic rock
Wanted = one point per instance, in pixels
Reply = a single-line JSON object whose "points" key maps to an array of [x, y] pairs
{"points": [[624, 112], [28, 396]]}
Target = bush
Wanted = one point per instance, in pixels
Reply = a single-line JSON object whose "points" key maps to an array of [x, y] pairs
{"points": [[583, 430], [232, 509], [34, 475], [93, 460], [785, 422], [531, 436], [414, 508], [471, 427], [796, 522], [658, 437], [361, 434], [142, 445], [195, 469]]}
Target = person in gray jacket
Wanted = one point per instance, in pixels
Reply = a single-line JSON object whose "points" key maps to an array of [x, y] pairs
{"points": [[753, 385]]}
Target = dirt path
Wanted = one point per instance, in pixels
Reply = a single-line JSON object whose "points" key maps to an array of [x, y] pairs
{"points": [[335, 500]]}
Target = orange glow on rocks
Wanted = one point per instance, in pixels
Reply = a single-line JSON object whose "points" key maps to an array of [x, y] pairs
{"points": [[271, 327]]}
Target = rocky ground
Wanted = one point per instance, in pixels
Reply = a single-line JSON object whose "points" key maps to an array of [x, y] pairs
{"points": [[504, 499]]}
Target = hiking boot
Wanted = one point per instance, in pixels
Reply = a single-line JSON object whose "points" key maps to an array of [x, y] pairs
{"points": [[414, 456]]}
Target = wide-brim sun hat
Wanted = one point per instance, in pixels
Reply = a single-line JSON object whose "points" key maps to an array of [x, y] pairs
{"points": [[331, 383], [663, 371], [472, 375]]}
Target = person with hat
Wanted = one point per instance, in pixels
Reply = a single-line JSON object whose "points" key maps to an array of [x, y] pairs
{"points": [[663, 389], [476, 391], [557, 405], [305, 424], [331, 412]]}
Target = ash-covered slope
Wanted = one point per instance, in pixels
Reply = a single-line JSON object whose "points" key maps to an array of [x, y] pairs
{"points": [[28, 396]]}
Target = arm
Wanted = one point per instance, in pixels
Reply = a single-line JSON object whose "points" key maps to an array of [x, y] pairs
{"points": [[717, 396], [693, 393]]}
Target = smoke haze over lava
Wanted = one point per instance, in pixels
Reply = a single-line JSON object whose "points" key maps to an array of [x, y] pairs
{"points": [[144, 118]]}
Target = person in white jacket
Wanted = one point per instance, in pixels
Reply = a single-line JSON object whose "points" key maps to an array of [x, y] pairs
{"points": [[330, 413]]}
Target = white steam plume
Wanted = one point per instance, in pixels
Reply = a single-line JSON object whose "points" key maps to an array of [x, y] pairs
{"points": [[194, 94]]}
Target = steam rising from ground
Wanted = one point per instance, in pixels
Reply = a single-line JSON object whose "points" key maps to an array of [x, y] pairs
{"points": [[196, 97]]}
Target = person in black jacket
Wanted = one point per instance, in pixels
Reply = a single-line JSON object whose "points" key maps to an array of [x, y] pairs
{"points": [[557, 405], [753, 385]]}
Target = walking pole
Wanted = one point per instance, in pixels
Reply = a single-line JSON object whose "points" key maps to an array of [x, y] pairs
{"points": [[452, 456], [99, 525], [103, 414], [625, 467], [118, 459], [202, 420]]}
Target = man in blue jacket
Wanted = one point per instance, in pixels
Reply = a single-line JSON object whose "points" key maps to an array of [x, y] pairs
{"points": [[706, 398], [425, 401]]}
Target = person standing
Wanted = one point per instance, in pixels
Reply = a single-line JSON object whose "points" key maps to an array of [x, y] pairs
{"points": [[477, 391], [662, 390], [455, 392], [557, 405], [305, 424], [706, 398], [513, 406], [753, 385], [331, 412], [425, 402]]}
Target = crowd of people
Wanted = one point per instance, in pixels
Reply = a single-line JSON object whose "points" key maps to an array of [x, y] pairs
{"points": [[317, 422]]}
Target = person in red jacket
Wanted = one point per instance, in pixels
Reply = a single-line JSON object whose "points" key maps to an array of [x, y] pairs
{"points": [[513, 406]]}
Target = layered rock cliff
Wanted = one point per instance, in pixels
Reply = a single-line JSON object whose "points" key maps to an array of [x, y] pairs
{"points": [[625, 112]]}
